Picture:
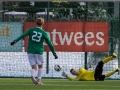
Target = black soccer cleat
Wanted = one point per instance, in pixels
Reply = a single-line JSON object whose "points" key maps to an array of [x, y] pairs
{"points": [[117, 70]]}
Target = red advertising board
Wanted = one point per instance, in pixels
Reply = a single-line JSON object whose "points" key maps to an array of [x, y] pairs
{"points": [[75, 36]]}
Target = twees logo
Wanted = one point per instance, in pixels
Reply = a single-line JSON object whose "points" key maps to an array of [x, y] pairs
{"points": [[78, 38]]}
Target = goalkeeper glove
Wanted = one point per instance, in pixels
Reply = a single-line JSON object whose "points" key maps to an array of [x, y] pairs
{"points": [[55, 56], [64, 74], [13, 42]]}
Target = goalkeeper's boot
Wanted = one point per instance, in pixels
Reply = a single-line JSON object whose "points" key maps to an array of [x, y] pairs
{"points": [[117, 70], [114, 55], [34, 80], [39, 82]]}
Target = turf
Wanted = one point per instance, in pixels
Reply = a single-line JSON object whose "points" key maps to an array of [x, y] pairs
{"points": [[57, 84]]}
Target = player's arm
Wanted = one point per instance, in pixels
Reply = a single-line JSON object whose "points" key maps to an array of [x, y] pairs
{"points": [[71, 79], [48, 41], [68, 77], [20, 37]]}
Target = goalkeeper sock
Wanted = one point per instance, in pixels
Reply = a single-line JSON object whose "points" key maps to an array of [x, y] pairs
{"points": [[33, 71], [110, 73], [40, 71], [107, 59]]}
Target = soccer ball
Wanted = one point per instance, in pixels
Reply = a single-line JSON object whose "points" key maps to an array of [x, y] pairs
{"points": [[57, 67]]}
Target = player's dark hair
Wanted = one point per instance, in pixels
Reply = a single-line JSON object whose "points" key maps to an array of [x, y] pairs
{"points": [[71, 70], [39, 21]]}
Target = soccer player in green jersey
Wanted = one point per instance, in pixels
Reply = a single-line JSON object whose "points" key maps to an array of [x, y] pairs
{"points": [[95, 75], [36, 48]]}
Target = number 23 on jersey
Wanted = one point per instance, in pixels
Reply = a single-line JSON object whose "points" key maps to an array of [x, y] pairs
{"points": [[36, 36]]}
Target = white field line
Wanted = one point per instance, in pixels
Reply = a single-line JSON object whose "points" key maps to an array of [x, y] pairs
{"points": [[56, 85]]}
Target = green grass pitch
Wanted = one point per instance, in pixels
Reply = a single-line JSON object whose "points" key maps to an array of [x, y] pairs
{"points": [[57, 84]]}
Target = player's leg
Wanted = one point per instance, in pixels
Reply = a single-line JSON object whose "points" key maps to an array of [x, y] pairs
{"points": [[102, 77], [111, 73], [40, 62], [109, 58], [98, 71], [99, 68], [32, 62], [40, 72]]}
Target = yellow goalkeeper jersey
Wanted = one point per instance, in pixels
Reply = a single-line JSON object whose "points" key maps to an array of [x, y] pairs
{"points": [[84, 75]]}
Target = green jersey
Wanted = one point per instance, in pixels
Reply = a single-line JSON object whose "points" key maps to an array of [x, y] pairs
{"points": [[36, 39]]}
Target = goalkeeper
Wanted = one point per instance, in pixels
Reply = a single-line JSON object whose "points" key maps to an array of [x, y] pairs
{"points": [[95, 75], [35, 48]]}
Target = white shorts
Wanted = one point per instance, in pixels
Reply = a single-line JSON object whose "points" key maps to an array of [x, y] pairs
{"points": [[35, 59]]}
